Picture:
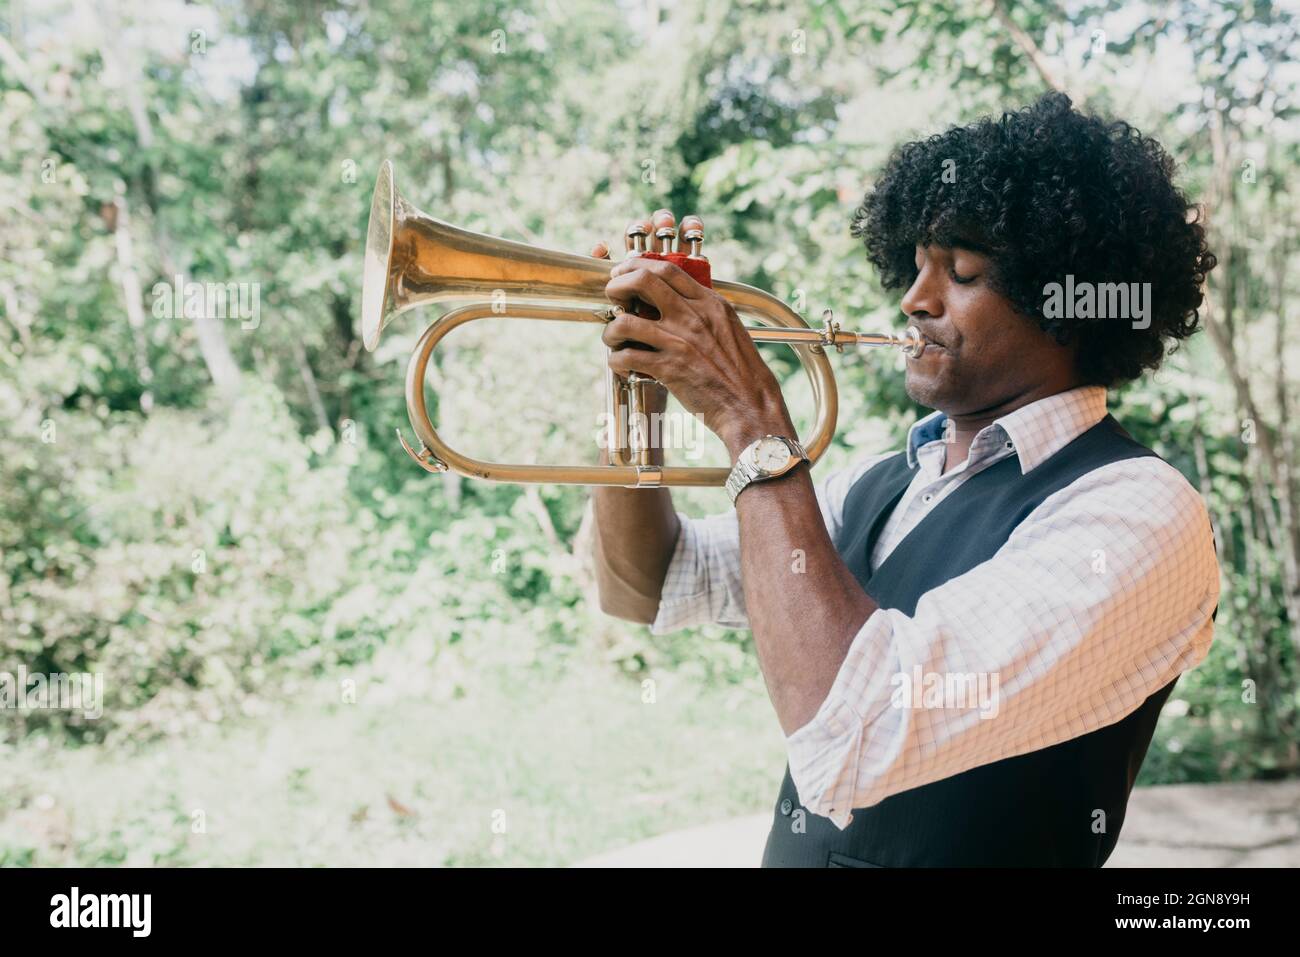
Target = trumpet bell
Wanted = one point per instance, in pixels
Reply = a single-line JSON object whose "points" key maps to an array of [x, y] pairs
{"points": [[413, 258], [376, 302]]}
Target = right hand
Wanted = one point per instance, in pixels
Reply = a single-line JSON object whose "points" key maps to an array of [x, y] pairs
{"points": [[656, 396]]}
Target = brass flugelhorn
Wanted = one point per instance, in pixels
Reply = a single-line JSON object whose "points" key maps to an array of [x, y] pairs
{"points": [[411, 259]]}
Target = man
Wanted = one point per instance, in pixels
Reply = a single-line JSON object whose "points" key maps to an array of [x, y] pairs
{"points": [[969, 659]]}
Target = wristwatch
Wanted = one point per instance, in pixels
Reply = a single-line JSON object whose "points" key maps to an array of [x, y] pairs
{"points": [[765, 458]]}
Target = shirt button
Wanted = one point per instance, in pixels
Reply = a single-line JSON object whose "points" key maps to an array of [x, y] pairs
{"points": [[787, 806]]}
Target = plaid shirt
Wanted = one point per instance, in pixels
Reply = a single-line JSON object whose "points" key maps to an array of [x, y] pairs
{"points": [[1100, 597]]}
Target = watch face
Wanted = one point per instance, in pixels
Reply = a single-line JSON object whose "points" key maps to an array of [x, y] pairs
{"points": [[771, 454]]}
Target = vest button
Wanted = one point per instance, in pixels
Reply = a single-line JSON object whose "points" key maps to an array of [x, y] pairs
{"points": [[787, 806]]}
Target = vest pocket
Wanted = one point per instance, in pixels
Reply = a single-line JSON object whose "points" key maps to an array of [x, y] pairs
{"points": [[837, 859]]}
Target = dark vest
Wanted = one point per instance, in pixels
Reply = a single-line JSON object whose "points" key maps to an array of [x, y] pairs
{"points": [[1036, 809]]}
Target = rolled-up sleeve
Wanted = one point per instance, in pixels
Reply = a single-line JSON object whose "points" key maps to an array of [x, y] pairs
{"points": [[703, 583], [1102, 596]]}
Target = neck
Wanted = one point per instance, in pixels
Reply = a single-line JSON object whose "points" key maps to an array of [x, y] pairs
{"points": [[964, 426]]}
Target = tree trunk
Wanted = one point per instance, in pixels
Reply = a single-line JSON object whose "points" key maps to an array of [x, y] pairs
{"points": [[211, 335]]}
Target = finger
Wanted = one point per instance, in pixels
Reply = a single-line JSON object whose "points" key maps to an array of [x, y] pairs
{"points": [[629, 329], [636, 227], [600, 250], [663, 230], [640, 290], [659, 283], [644, 361], [691, 226]]}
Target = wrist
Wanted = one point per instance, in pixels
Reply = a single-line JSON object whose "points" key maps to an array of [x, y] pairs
{"points": [[744, 430]]}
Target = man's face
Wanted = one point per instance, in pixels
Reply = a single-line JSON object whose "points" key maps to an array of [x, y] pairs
{"points": [[980, 352]]}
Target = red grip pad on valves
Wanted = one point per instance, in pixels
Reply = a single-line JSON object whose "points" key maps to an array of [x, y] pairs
{"points": [[697, 269]]}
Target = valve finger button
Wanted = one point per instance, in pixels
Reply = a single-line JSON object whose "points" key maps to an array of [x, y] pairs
{"points": [[665, 227], [692, 231], [636, 234]]}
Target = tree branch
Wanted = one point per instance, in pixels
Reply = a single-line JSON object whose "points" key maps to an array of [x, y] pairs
{"points": [[1028, 47]]}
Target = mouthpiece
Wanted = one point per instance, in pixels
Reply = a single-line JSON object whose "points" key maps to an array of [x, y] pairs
{"points": [[912, 343]]}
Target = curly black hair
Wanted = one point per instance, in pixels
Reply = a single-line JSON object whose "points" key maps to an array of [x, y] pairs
{"points": [[1048, 191]]}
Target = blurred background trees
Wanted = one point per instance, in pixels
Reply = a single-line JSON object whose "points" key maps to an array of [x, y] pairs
{"points": [[210, 510]]}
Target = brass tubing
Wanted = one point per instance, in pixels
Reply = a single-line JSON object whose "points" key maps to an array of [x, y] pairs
{"points": [[815, 364]]}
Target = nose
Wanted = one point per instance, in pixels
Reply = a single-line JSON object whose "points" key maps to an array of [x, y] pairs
{"points": [[922, 297]]}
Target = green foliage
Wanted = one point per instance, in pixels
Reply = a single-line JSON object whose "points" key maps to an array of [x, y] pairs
{"points": [[197, 550], [214, 544]]}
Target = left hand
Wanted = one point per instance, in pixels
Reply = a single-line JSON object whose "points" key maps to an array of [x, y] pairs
{"points": [[699, 350]]}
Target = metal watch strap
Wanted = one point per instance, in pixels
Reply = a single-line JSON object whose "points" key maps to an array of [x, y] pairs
{"points": [[744, 472]]}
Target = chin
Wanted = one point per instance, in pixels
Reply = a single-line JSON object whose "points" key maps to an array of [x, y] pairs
{"points": [[926, 390], [938, 380]]}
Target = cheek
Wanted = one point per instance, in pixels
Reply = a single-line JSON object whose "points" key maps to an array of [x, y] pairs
{"points": [[986, 324]]}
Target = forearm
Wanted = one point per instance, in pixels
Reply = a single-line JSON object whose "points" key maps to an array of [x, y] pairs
{"points": [[805, 607], [636, 533]]}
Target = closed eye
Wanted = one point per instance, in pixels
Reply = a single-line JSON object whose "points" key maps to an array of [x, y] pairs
{"points": [[961, 280]]}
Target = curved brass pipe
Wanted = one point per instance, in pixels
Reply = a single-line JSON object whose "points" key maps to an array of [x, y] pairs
{"points": [[437, 456]]}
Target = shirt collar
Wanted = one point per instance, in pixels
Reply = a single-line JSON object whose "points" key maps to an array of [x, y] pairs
{"points": [[923, 432], [1037, 430]]}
